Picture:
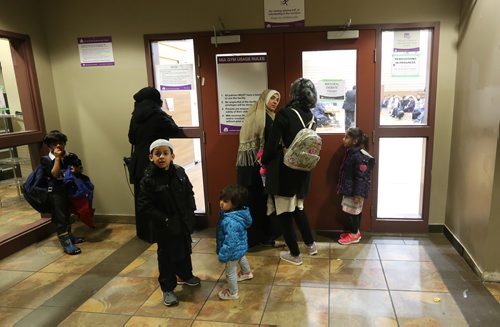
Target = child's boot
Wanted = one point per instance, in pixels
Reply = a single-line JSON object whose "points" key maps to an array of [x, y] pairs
{"points": [[75, 239], [68, 245]]}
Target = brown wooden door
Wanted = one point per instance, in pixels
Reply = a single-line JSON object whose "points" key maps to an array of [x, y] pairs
{"points": [[323, 204], [220, 149]]}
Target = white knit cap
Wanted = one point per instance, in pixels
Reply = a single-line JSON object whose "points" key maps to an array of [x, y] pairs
{"points": [[160, 142]]}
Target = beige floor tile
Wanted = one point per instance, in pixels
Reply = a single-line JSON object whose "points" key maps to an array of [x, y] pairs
{"points": [[350, 307], [32, 258], [122, 295], [360, 274], [413, 276], [199, 323], [207, 266], [312, 273], [247, 309], [424, 309], [297, 306], [403, 252], [78, 264], [79, 319], [137, 321], [354, 251], [9, 316], [10, 278], [263, 268], [191, 300], [35, 290], [145, 265], [205, 245]]}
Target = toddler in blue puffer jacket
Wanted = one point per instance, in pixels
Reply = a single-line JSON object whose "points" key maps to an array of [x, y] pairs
{"points": [[232, 246]]}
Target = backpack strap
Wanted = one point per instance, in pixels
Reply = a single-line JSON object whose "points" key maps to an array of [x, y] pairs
{"points": [[310, 124]]}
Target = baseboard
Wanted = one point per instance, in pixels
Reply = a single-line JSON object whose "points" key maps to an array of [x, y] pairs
{"points": [[485, 276], [438, 229]]}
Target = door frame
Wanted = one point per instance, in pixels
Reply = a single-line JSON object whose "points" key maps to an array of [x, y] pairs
{"points": [[425, 131]]}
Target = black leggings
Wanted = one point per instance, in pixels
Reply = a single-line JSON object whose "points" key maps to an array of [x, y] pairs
{"points": [[286, 219], [355, 222]]}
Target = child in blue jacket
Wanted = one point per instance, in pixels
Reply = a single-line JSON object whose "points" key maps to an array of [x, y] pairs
{"points": [[232, 244]]}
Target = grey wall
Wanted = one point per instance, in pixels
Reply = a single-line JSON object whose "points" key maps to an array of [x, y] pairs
{"points": [[472, 206]]}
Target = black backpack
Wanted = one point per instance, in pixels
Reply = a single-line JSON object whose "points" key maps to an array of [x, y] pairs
{"points": [[35, 190]]}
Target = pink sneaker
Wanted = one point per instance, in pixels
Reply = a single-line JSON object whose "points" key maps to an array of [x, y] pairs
{"points": [[243, 276], [350, 238]]}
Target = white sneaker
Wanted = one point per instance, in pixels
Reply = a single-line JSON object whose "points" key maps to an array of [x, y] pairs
{"points": [[244, 276], [288, 257], [225, 294], [312, 249]]}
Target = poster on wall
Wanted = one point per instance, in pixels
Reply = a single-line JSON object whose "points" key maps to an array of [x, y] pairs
{"points": [[96, 51], [175, 77], [283, 13], [235, 93], [406, 54]]}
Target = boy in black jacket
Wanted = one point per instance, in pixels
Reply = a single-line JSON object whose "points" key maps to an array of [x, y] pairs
{"points": [[54, 166], [167, 199]]}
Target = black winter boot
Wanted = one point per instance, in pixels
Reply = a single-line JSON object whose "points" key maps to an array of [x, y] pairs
{"points": [[68, 245]]}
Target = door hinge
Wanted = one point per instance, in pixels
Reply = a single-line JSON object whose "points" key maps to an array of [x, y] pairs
{"points": [[209, 208], [204, 137], [375, 55], [198, 60], [373, 137]]}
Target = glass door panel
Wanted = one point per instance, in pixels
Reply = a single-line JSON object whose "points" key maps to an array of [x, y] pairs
{"points": [[188, 155], [401, 171], [333, 72], [405, 77], [175, 77]]}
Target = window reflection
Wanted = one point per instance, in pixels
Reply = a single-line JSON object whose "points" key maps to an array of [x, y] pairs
{"points": [[333, 72], [405, 77], [11, 116]]}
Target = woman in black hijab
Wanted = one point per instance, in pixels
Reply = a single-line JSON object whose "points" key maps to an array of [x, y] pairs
{"points": [[288, 187], [148, 123]]}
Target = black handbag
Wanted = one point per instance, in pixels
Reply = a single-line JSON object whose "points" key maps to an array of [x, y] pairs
{"points": [[129, 164]]}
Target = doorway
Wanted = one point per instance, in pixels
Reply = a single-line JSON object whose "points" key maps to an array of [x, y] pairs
{"points": [[340, 68]]}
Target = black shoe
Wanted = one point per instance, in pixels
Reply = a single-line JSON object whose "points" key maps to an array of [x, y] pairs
{"points": [[68, 245], [193, 281]]}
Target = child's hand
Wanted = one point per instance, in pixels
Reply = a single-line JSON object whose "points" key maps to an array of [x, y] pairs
{"points": [[58, 152], [75, 169]]}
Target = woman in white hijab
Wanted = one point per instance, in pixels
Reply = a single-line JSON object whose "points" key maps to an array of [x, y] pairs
{"points": [[253, 134]]}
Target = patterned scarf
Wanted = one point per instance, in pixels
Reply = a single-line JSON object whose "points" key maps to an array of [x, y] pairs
{"points": [[252, 132]]}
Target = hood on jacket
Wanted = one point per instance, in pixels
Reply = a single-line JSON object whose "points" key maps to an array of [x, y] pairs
{"points": [[242, 216]]}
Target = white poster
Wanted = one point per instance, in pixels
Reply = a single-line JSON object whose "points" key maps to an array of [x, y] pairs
{"points": [[406, 41], [96, 51], [405, 64], [283, 13], [241, 78], [175, 77]]}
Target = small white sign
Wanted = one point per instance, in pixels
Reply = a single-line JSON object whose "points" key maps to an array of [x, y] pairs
{"points": [[283, 13], [96, 51], [175, 77]]}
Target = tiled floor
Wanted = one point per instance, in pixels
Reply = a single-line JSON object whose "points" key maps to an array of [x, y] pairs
{"points": [[383, 281]]}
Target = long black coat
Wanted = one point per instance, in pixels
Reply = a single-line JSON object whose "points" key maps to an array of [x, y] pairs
{"points": [[166, 203], [280, 179], [148, 123]]}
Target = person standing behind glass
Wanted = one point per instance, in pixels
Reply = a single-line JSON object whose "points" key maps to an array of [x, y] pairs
{"points": [[350, 107], [253, 134], [288, 187], [148, 123]]}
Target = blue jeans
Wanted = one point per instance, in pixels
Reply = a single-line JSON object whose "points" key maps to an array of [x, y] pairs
{"points": [[232, 274]]}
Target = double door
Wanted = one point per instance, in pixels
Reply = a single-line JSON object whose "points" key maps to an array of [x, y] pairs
{"points": [[335, 66]]}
